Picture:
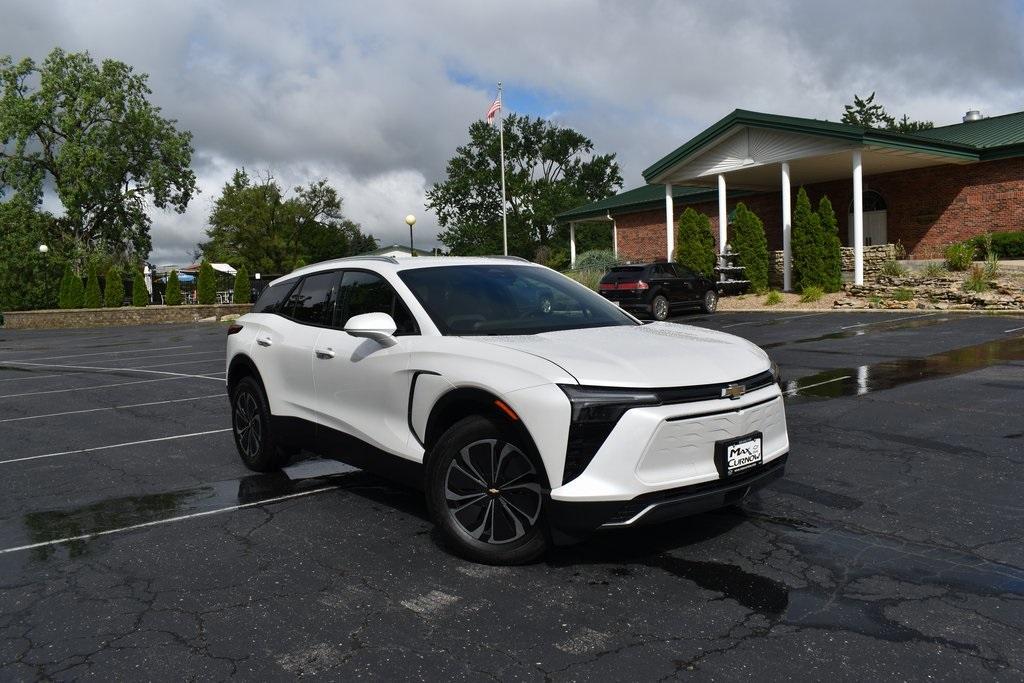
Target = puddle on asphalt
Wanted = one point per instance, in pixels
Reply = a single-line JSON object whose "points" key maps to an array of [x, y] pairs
{"points": [[117, 513], [864, 379], [883, 326]]}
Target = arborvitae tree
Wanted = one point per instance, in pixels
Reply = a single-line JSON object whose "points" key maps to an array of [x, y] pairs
{"points": [[807, 244], [72, 293], [832, 256], [140, 295], [206, 284], [749, 241], [695, 245], [93, 296], [113, 291], [242, 287], [172, 295]]}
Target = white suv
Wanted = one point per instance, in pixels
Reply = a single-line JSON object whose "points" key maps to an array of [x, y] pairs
{"points": [[529, 408]]}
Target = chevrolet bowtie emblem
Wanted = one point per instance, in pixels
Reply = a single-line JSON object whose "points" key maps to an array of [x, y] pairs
{"points": [[734, 391]]}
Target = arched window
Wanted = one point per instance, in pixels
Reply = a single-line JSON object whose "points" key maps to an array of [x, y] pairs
{"points": [[872, 202]]}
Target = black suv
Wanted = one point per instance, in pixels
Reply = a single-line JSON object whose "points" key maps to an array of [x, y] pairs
{"points": [[658, 289]]}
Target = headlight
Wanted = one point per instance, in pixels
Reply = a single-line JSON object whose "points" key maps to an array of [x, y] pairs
{"points": [[595, 411]]}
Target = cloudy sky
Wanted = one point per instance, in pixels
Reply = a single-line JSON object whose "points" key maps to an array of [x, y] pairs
{"points": [[375, 96]]}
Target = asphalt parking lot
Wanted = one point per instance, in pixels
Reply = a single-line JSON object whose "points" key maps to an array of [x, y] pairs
{"points": [[134, 545]]}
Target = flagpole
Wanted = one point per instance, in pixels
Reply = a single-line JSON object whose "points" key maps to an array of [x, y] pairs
{"points": [[501, 138]]}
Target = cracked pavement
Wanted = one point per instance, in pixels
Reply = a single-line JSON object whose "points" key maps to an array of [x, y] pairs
{"points": [[894, 546]]}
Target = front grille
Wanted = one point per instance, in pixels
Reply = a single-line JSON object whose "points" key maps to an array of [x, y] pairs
{"points": [[706, 392]]}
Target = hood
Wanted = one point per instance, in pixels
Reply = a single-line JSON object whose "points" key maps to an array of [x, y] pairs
{"points": [[654, 355]]}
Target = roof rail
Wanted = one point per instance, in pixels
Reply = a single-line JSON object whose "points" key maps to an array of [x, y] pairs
{"points": [[389, 259], [511, 258]]}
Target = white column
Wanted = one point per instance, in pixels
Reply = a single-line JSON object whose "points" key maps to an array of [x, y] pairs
{"points": [[670, 237], [615, 235], [723, 215], [787, 232], [858, 219], [572, 244]]}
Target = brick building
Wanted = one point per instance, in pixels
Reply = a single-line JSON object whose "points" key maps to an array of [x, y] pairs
{"points": [[924, 190]]}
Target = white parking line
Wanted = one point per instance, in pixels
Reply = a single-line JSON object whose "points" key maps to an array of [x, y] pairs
{"points": [[184, 362], [169, 520], [116, 445], [1016, 329], [99, 410], [18, 379], [102, 369], [94, 386], [890, 320], [797, 390], [162, 355], [805, 315], [107, 353]]}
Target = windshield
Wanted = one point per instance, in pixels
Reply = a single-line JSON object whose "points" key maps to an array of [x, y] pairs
{"points": [[501, 299]]}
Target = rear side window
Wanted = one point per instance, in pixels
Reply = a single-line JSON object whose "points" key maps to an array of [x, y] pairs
{"points": [[271, 298], [312, 302], [363, 292]]}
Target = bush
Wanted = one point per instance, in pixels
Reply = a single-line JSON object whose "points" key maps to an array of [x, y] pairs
{"points": [[695, 245], [959, 256], [808, 245], [773, 298], [589, 278], [243, 289], [172, 295], [750, 243], [206, 284], [935, 270], [113, 291], [894, 269], [811, 294], [596, 259], [1008, 244], [976, 281], [93, 296], [903, 294], [832, 251], [72, 293], [140, 295]]}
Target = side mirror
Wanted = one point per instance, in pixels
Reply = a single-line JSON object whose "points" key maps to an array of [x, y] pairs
{"points": [[380, 327]]}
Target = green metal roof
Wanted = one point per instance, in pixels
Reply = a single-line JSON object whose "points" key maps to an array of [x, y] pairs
{"points": [[997, 131]]}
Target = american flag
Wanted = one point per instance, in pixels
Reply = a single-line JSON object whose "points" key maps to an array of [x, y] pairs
{"points": [[494, 109]]}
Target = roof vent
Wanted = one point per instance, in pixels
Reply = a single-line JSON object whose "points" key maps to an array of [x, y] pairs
{"points": [[973, 115]]}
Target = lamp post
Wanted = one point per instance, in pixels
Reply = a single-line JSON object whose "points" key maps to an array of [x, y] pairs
{"points": [[410, 220], [43, 250]]}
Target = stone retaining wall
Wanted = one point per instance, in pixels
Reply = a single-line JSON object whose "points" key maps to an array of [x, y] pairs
{"points": [[874, 258], [112, 317]]}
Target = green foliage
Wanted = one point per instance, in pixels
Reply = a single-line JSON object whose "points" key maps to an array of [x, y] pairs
{"points": [[865, 112], [206, 284], [773, 298], [548, 170], [751, 244], [93, 296], [72, 293], [903, 294], [243, 288], [959, 256], [140, 295], [808, 245], [172, 294], [1002, 244], [600, 260], [113, 290], [89, 132], [695, 245], [976, 280], [832, 252], [935, 270], [556, 258], [28, 278], [991, 266], [811, 293], [590, 278], [254, 224], [894, 269]]}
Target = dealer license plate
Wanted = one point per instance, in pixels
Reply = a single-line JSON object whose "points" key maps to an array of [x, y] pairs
{"points": [[742, 455]]}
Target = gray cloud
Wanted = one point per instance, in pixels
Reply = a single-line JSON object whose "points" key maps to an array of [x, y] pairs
{"points": [[375, 96]]}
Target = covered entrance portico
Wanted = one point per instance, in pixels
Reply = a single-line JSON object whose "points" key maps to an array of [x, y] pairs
{"points": [[762, 153]]}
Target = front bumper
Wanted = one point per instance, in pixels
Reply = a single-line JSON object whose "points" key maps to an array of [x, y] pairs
{"points": [[570, 522]]}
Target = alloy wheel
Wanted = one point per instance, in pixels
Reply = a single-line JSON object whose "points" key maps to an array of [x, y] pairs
{"points": [[660, 308], [710, 302], [493, 491], [248, 424]]}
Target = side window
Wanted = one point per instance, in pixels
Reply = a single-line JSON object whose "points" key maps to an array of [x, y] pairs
{"points": [[272, 297], [363, 292], [685, 272], [313, 300]]}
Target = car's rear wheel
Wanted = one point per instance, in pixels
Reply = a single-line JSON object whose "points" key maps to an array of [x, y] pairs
{"points": [[659, 307], [250, 422], [486, 493], [710, 301]]}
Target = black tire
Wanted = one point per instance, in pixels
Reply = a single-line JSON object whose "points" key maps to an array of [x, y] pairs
{"points": [[659, 307], [250, 422], [486, 492], [709, 304]]}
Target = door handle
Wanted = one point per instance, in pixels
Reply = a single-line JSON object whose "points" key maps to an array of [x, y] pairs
{"points": [[264, 341], [324, 354]]}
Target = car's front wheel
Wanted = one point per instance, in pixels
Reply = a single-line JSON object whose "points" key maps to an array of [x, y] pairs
{"points": [[486, 493], [710, 302], [250, 421]]}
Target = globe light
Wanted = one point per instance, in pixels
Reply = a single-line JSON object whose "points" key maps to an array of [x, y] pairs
{"points": [[410, 220], [43, 249]]}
